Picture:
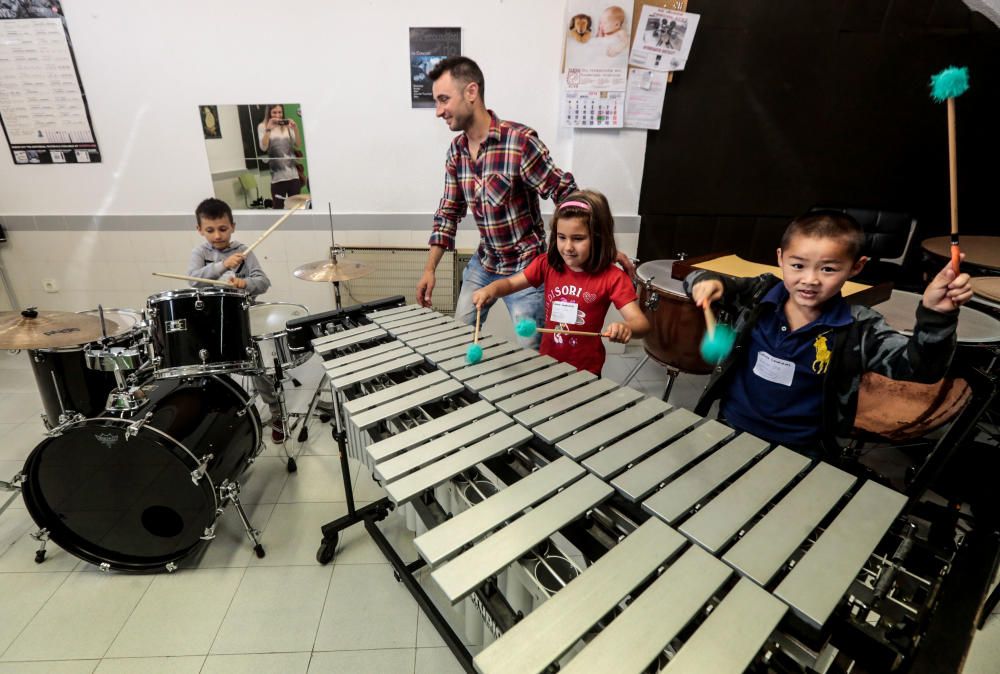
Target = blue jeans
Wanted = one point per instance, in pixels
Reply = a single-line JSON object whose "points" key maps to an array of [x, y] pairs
{"points": [[527, 303]]}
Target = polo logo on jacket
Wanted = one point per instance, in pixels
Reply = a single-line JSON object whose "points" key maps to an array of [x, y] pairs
{"points": [[822, 362]]}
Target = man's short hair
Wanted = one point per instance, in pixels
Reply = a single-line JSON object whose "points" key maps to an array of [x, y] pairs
{"points": [[827, 224], [462, 69], [213, 209]]}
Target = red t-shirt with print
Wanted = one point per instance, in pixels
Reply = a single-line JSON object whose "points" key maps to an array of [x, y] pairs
{"points": [[592, 294]]}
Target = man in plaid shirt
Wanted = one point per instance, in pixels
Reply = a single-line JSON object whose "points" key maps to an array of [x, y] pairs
{"points": [[499, 169]]}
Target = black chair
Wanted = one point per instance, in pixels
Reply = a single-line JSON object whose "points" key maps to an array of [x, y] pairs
{"points": [[888, 236]]}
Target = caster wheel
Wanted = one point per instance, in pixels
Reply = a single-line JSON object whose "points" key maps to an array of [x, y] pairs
{"points": [[327, 549], [303, 434], [325, 418], [39, 556], [259, 549], [292, 466]]}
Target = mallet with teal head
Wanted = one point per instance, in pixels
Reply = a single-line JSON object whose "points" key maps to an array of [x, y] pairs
{"points": [[718, 340], [948, 85], [474, 353]]}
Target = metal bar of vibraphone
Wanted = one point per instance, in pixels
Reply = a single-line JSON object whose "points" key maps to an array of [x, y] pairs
{"points": [[446, 539], [719, 520], [432, 336], [520, 369], [382, 313], [423, 395], [417, 458], [770, 543], [642, 478], [555, 406], [633, 447], [338, 367], [360, 354], [455, 365], [815, 585], [450, 341], [732, 635], [587, 441], [411, 311], [390, 447], [551, 389], [458, 352], [493, 364], [384, 395], [637, 637], [526, 383], [412, 485], [683, 493], [350, 340], [401, 361], [551, 629], [581, 417], [410, 319], [464, 573], [345, 334], [437, 322]]}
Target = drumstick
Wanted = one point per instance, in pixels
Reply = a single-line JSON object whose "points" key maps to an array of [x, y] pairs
{"points": [[947, 85], [182, 277], [270, 229]]}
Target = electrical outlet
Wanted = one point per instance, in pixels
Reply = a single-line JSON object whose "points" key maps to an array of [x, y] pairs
{"points": [[49, 285]]}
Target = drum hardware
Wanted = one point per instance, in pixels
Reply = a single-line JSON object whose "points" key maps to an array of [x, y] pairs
{"points": [[129, 399], [64, 423], [42, 536], [199, 472], [13, 486], [133, 428]]}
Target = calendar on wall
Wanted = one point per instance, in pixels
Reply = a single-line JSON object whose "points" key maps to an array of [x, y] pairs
{"points": [[594, 109]]}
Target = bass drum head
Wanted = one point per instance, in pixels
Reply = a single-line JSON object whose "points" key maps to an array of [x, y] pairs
{"points": [[128, 502]]}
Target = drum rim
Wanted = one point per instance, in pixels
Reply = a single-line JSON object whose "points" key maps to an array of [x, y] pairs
{"points": [[272, 335], [204, 370], [179, 293], [32, 501], [651, 281]]}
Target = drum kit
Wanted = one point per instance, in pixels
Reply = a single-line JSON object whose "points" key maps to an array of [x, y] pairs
{"points": [[147, 433]]}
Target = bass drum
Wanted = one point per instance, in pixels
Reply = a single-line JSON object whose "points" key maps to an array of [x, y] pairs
{"points": [[136, 491]]}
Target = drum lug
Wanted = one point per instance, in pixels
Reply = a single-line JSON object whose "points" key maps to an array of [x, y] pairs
{"points": [[250, 403], [209, 533], [202, 468], [203, 354], [199, 304], [134, 428], [170, 567], [64, 422], [105, 567]]}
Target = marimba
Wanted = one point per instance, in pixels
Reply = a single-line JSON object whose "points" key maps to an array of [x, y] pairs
{"points": [[698, 546]]}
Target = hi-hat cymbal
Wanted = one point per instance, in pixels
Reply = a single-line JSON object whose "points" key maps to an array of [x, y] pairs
{"points": [[31, 329], [333, 270]]}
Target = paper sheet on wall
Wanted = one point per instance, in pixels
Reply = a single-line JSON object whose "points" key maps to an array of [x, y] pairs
{"points": [[644, 98], [43, 109], [595, 45], [663, 39], [594, 109]]}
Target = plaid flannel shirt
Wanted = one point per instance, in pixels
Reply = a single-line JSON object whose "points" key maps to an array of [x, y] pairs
{"points": [[502, 185]]}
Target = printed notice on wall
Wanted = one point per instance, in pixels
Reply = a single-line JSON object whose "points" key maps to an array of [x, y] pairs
{"points": [[595, 45], [663, 39], [43, 108], [428, 47], [644, 99]]}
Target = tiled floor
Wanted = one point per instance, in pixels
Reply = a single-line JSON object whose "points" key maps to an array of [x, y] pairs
{"points": [[232, 612]]}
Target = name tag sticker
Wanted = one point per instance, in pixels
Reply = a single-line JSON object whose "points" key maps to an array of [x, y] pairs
{"points": [[774, 369], [563, 312]]}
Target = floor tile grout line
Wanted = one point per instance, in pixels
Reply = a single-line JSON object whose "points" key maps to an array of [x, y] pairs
{"points": [[326, 599], [128, 617], [225, 615], [35, 614]]}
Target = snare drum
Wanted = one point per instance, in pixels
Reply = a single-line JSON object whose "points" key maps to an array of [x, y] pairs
{"points": [[197, 331], [66, 381], [677, 325], [267, 325]]}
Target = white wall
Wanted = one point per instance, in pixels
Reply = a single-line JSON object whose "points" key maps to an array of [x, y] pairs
{"points": [[147, 66]]}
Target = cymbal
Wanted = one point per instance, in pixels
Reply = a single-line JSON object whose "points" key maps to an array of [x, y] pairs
{"points": [[333, 270], [31, 329]]}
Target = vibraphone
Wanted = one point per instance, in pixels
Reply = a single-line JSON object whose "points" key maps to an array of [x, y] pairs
{"points": [[684, 545]]}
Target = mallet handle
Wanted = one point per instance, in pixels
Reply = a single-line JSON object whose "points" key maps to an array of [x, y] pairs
{"points": [[475, 339], [953, 183], [709, 320], [553, 331]]}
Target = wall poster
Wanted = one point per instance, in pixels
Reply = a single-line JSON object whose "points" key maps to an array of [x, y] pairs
{"points": [[428, 47], [43, 108]]}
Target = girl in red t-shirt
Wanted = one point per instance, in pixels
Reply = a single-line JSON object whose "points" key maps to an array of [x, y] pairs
{"points": [[581, 282]]}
